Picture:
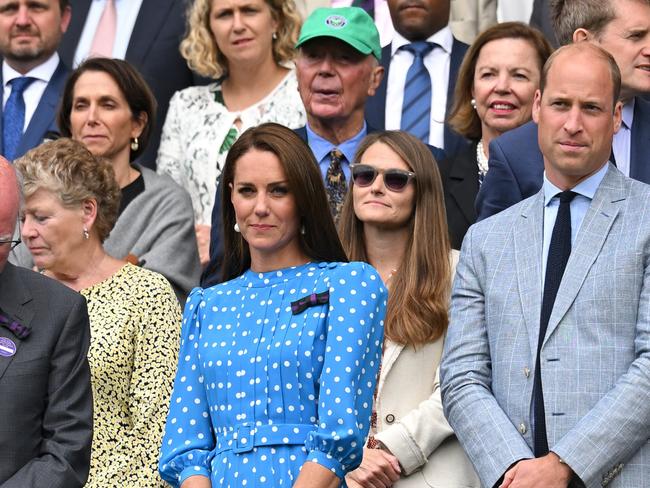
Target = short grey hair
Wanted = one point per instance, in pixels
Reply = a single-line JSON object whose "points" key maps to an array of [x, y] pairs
{"points": [[593, 15]]}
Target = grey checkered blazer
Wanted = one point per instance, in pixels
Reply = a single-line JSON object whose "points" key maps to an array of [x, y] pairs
{"points": [[596, 353]]}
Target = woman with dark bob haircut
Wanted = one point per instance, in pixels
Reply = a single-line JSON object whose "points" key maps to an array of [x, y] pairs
{"points": [[108, 107], [494, 94], [278, 365]]}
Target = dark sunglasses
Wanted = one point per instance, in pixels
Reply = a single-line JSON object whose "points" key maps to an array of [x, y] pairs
{"points": [[394, 179]]}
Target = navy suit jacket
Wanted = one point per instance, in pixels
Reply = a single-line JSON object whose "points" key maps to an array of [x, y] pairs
{"points": [[376, 105], [153, 50], [44, 118], [517, 165], [212, 273]]}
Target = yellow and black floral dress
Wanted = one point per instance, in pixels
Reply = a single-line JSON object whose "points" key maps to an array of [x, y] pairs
{"points": [[135, 327]]}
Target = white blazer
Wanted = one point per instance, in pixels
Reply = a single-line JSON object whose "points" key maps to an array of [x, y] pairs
{"points": [[410, 421]]}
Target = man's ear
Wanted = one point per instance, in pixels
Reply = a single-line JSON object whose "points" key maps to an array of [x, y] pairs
{"points": [[582, 34], [537, 103], [375, 79]]}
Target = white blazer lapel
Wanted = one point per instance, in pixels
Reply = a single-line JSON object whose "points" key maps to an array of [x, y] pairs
{"points": [[392, 351]]}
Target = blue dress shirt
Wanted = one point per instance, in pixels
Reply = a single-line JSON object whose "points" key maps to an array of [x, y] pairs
{"points": [[321, 149]]}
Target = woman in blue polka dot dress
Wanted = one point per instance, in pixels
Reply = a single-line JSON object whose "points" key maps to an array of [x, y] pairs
{"points": [[278, 366]]}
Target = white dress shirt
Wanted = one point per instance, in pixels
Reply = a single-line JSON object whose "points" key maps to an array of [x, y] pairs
{"points": [[437, 62], [127, 13], [623, 139], [33, 93]]}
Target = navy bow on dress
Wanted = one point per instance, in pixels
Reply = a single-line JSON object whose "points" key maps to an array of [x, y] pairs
{"points": [[312, 300]]}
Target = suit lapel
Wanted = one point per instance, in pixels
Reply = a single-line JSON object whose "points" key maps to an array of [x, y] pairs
{"points": [[590, 239], [44, 116], [639, 140], [14, 295], [453, 140], [463, 182], [68, 46], [149, 23], [528, 239]]}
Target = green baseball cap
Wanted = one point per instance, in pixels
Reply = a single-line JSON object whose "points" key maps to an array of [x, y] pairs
{"points": [[352, 25]]}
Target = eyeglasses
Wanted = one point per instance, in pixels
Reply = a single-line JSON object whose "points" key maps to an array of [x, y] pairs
{"points": [[13, 242], [394, 179]]}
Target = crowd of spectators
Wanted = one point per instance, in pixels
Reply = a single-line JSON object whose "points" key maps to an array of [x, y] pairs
{"points": [[410, 237]]}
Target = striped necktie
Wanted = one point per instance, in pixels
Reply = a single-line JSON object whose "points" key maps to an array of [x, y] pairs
{"points": [[416, 107], [13, 116]]}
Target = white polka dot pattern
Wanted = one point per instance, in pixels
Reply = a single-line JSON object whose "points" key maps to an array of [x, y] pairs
{"points": [[260, 391]]}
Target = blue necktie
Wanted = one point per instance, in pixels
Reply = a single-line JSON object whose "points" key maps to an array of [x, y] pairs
{"points": [[13, 116], [558, 255], [416, 107]]}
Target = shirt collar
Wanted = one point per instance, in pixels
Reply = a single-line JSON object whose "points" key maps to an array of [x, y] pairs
{"points": [[587, 187], [628, 113], [43, 71], [321, 147], [443, 38]]}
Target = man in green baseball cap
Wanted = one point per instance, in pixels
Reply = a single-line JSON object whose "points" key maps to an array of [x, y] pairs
{"points": [[338, 69]]}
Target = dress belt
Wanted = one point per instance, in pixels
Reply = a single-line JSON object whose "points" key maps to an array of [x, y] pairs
{"points": [[244, 437]]}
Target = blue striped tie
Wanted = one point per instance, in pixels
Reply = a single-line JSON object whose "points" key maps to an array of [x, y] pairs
{"points": [[13, 116], [416, 108]]}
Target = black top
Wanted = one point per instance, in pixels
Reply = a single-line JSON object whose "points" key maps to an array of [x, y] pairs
{"points": [[130, 192]]}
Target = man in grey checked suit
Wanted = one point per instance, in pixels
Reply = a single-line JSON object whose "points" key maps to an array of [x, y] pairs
{"points": [[594, 360]]}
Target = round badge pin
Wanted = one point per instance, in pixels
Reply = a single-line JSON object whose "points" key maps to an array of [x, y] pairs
{"points": [[336, 21], [7, 347]]}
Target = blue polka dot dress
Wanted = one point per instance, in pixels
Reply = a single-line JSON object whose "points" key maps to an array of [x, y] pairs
{"points": [[275, 369]]}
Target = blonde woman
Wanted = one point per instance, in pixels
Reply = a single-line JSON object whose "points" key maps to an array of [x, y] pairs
{"points": [[248, 47], [394, 219]]}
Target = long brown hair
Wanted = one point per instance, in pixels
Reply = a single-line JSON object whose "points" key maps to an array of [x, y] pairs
{"points": [[419, 292], [319, 241]]}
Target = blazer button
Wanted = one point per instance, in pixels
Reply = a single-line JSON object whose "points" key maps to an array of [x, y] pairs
{"points": [[522, 428], [526, 372], [390, 418]]}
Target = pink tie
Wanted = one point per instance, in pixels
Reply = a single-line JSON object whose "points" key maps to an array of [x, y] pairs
{"points": [[105, 36]]}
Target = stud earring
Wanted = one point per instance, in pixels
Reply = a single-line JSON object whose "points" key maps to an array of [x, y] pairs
{"points": [[274, 36], [472, 102], [236, 227], [86, 233], [135, 144], [303, 231]]}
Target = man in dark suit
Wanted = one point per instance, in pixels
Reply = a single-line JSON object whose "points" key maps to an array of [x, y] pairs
{"points": [[621, 27], [541, 19], [152, 47], [32, 75], [46, 407], [419, 23]]}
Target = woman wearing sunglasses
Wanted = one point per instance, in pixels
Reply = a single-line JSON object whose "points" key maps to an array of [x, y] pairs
{"points": [[394, 219]]}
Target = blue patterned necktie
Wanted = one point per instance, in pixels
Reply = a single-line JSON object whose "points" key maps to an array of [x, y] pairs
{"points": [[335, 184], [416, 107], [13, 116], [558, 255]]}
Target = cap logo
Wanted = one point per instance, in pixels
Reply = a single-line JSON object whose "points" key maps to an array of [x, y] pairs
{"points": [[336, 21]]}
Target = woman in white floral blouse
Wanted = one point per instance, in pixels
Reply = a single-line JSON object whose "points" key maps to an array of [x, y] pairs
{"points": [[248, 47]]}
